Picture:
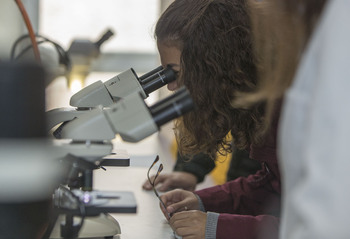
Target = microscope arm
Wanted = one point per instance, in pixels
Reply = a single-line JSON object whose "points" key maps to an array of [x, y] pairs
{"points": [[126, 117], [89, 150], [120, 86], [130, 117], [60, 115], [105, 94]]}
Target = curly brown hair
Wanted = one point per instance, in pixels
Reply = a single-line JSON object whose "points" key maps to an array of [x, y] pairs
{"points": [[214, 37]]}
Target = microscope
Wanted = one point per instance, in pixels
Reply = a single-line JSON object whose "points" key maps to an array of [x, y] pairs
{"points": [[84, 133], [122, 85], [109, 92], [82, 53]]}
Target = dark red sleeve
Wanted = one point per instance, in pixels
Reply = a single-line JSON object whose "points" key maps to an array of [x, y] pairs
{"points": [[254, 195], [247, 227], [249, 206]]}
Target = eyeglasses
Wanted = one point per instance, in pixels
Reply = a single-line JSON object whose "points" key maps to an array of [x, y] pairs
{"points": [[154, 180]]}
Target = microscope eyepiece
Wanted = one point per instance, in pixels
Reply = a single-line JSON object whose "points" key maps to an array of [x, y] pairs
{"points": [[172, 107], [152, 72], [157, 80]]}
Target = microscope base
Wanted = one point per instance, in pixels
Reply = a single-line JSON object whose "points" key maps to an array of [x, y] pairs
{"points": [[102, 226]]}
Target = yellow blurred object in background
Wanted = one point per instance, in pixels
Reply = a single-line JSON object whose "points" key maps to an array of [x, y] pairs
{"points": [[222, 164]]}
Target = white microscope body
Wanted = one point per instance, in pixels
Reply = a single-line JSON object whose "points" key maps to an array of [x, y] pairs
{"points": [[84, 135]]}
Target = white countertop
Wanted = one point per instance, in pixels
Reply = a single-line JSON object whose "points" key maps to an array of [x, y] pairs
{"points": [[148, 222]]}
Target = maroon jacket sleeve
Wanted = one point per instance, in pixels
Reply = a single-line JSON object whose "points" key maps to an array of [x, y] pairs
{"points": [[247, 227], [249, 207]]}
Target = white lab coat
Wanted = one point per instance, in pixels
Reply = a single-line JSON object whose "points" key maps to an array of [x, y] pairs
{"points": [[314, 134]]}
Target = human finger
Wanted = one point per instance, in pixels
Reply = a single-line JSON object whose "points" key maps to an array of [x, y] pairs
{"points": [[147, 185], [189, 224], [160, 179], [167, 185], [174, 200]]}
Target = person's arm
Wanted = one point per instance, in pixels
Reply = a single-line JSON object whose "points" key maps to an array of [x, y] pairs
{"points": [[241, 165], [245, 205], [186, 174], [247, 227], [200, 165], [248, 195]]}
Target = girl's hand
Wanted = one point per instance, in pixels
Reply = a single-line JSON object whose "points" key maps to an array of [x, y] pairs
{"points": [[179, 200], [173, 180], [189, 224]]}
